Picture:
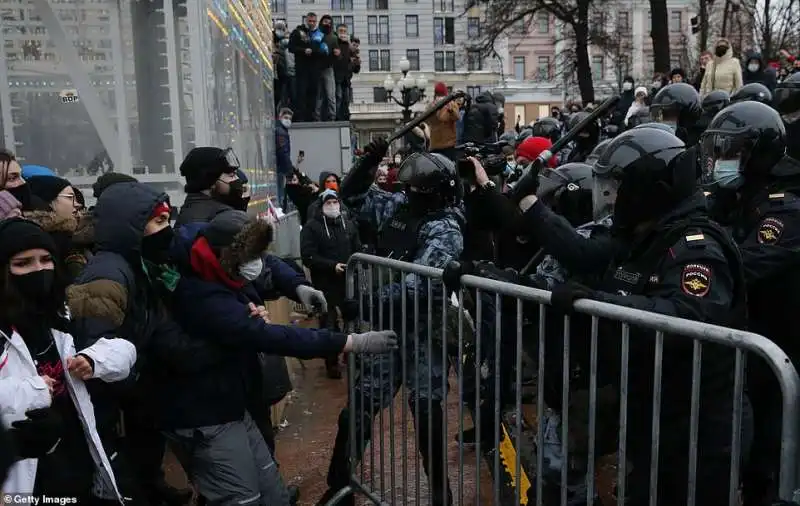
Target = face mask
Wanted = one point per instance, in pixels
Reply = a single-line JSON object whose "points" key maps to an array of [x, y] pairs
{"points": [[721, 50], [753, 67], [251, 270], [332, 211], [155, 247], [332, 185], [627, 86], [325, 29], [234, 196], [280, 33], [656, 84], [36, 287], [286, 122], [23, 194], [726, 174], [510, 167], [398, 159], [244, 203]]}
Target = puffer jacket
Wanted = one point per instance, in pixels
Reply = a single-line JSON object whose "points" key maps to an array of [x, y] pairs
{"points": [[724, 73], [480, 121], [442, 127]]}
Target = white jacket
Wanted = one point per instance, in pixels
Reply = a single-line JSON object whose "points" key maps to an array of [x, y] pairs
{"points": [[22, 389]]}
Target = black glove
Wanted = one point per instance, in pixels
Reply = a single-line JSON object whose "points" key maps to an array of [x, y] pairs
{"points": [[453, 272], [375, 151], [38, 434], [491, 271], [528, 184], [349, 309], [564, 295]]}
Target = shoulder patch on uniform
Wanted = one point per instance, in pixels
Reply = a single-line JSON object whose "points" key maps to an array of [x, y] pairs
{"points": [[696, 280], [695, 237], [770, 231], [777, 195]]}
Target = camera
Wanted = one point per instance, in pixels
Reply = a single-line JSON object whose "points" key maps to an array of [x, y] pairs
{"points": [[490, 155]]}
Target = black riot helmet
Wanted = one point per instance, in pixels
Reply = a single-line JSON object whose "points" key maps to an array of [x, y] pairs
{"points": [[657, 126], [677, 105], [510, 137], [641, 177], [714, 102], [786, 98], [753, 92], [567, 190], [524, 134], [590, 135], [744, 141], [431, 182], [547, 127], [597, 152]]}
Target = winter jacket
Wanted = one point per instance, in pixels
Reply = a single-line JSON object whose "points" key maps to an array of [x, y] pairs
{"points": [[724, 73], [331, 42], [442, 127], [73, 248], [634, 115], [324, 243], [199, 207], [480, 121], [620, 113], [343, 67], [22, 389], [765, 74], [302, 39], [283, 150]]}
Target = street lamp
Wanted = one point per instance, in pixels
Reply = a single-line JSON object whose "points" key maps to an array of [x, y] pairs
{"points": [[411, 89]]}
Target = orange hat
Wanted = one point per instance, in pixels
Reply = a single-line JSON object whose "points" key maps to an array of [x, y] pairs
{"points": [[532, 147]]}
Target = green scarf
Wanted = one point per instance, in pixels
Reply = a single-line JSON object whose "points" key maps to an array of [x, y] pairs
{"points": [[164, 274]]}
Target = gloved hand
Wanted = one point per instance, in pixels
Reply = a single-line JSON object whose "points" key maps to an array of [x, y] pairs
{"points": [[38, 434], [379, 341], [375, 151], [453, 272], [564, 295], [312, 299]]}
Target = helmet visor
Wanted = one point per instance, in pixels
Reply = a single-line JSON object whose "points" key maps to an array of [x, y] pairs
{"points": [[664, 114], [787, 102], [723, 157], [604, 195], [231, 159], [550, 181]]}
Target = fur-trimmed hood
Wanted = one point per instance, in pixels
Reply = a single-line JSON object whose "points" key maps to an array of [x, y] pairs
{"points": [[250, 243], [84, 232], [51, 222]]}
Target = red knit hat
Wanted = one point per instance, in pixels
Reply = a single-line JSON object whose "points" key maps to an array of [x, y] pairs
{"points": [[532, 147], [440, 89]]}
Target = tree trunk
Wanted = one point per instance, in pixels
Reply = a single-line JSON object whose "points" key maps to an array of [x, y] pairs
{"points": [[583, 66], [766, 36], [659, 32], [703, 25]]}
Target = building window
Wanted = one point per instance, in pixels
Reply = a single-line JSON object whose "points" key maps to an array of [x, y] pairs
{"points": [[341, 5], [624, 22], [411, 1], [598, 21], [378, 29], [386, 60], [519, 26], [379, 95], [676, 21], [374, 60], [473, 91], [543, 22], [444, 31], [474, 60], [344, 20], [306, 1], [278, 6], [444, 5], [649, 64], [444, 61], [412, 55], [473, 28], [543, 68], [378, 5], [598, 72], [519, 68], [412, 26]]}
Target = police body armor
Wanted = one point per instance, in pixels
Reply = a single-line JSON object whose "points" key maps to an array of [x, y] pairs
{"points": [[398, 238]]}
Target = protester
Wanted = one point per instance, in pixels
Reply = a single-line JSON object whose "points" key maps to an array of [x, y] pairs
{"points": [[442, 125], [638, 108], [482, 118], [325, 109], [724, 72], [344, 67], [626, 100], [705, 59], [9, 206], [757, 71], [283, 153], [12, 181], [308, 46], [677, 76], [212, 185]]}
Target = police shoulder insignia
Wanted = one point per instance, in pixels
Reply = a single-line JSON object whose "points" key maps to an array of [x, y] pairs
{"points": [[770, 231], [696, 280]]}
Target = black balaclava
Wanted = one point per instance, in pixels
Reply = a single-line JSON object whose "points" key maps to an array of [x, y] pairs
{"points": [[155, 247]]}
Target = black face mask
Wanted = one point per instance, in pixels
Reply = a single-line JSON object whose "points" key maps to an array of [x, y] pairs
{"points": [[325, 29], [155, 247], [721, 50], [23, 194], [234, 196], [36, 287], [421, 204], [244, 202]]}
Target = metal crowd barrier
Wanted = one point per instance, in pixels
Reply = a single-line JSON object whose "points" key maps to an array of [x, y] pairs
{"points": [[286, 243], [384, 462]]}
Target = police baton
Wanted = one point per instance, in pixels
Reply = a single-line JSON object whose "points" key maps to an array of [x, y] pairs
{"points": [[411, 125], [530, 181]]}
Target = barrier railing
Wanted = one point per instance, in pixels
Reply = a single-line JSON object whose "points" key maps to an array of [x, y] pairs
{"points": [[622, 405]]}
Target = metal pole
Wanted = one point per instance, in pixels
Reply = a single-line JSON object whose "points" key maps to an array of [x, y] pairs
{"points": [[76, 69], [173, 79], [5, 100], [121, 96], [197, 21]]}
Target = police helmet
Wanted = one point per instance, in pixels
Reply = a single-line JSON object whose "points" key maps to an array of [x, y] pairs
{"points": [[509, 137], [746, 138], [786, 98], [591, 134], [430, 174], [597, 152], [640, 177], [715, 101], [657, 126], [567, 190], [524, 134], [753, 92], [547, 127], [677, 104]]}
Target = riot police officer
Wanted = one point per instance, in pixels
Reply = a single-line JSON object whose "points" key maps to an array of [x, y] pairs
{"points": [[665, 256], [786, 100], [422, 225], [756, 191], [586, 140], [755, 92], [597, 152], [567, 190], [712, 103], [678, 105], [547, 127]]}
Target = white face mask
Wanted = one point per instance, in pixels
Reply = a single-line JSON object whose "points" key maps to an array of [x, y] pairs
{"points": [[627, 86], [398, 159], [332, 211], [286, 122], [251, 270], [753, 67]]}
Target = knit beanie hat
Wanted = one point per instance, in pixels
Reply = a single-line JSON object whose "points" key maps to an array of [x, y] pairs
{"points": [[532, 147], [7, 204], [108, 179], [236, 238], [328, 195], [202, 167], [440, 89], [47, 188], [221, 231], [18, 235]]}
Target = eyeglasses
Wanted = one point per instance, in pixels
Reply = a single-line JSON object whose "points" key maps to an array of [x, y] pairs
{"points": [[67, 196]]}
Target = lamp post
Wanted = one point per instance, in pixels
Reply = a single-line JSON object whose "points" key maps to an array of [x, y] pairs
{"points": [[412, 90]]}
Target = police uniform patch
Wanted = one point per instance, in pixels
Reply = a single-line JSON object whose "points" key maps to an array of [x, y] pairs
{"points": [[770, 231], [696, 280]]}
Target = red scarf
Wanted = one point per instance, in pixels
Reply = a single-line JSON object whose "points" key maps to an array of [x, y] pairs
{"points": [[206, 264]]}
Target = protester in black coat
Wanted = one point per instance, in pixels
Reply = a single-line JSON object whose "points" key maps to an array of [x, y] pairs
{"points": [[755, 70]]}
